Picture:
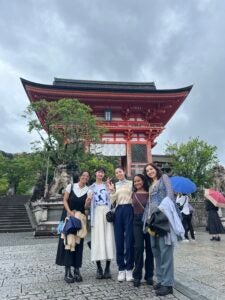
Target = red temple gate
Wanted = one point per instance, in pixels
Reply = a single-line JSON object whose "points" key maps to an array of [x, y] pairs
{"points": [[133, 113]]}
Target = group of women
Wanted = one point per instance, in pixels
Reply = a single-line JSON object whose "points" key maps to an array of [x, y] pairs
{"points": [[134, 201]]}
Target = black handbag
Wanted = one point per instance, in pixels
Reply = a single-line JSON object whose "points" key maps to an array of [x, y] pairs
{"points": [[110, 215], [159, 223]]}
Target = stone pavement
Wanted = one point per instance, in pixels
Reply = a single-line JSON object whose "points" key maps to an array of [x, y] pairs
{"points": [[27, 271]]}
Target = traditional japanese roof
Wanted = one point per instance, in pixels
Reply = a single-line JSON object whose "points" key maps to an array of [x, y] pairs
{"points": [[90, 85], [127, 98]]}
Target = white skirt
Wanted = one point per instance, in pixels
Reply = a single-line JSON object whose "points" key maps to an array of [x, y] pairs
{"points": [[102, 236]]}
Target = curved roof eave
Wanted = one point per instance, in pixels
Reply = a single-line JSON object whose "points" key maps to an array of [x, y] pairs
{"points": [[107, 89]]}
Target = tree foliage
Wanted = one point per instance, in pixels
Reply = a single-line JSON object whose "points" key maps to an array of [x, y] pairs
{"points": [[92, 162], [194, 159], [66, 127], [20, 172]]}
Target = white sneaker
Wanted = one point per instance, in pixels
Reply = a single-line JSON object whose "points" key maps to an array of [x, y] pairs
{"points": [[185, 241], [129, 275], [121, 276]]}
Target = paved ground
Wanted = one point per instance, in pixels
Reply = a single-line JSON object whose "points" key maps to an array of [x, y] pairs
{"points": [[27, 271]]}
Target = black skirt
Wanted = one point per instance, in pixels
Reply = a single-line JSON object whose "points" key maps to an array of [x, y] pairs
{"points": [[68, 258], [214, 223]]}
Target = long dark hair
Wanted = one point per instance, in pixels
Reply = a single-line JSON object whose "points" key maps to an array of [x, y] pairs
{"points": [[144, 180], [158, 172]]}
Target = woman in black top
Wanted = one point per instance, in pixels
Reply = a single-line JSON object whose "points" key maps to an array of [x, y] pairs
{"points": [[74, 200], [214, 224]]}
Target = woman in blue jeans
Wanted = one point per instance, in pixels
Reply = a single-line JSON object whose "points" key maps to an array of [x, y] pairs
{"points": [[160, 187], [123, 225]]}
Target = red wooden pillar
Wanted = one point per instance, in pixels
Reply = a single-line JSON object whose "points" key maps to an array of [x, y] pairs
{"points": [[129, 160], [128, 137], [149, 151]]}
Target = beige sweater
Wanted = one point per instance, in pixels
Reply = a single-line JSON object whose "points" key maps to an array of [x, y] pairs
{"points": [[74, 239], [122, 194]]}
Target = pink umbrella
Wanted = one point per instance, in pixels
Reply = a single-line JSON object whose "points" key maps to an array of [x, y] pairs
{"points": [[215, 197]]}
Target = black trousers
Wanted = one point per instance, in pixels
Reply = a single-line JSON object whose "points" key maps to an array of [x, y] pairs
{"points": [[68, 258], [188, 226], [142, 242]]}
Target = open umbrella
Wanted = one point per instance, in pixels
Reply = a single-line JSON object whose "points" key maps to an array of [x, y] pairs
{"points": [[215, 197], [182, 185]]}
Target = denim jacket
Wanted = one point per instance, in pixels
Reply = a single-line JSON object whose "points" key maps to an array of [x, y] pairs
{"points": [[157, 193]]}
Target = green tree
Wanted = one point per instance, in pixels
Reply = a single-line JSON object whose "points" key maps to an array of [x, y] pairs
{"points": [[194, 159], [19, 172], [92, 162], [4, 184], [66, 126]]}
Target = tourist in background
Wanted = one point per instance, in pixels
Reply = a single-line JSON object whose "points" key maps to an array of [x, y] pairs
{"points": [[160, 187], [182, 201], [102, 235], [141, 240], [123, 225], [74, 200], [214, 224]]}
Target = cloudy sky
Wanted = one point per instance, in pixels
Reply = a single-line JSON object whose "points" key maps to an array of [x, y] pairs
{"points": [[171, 42]]}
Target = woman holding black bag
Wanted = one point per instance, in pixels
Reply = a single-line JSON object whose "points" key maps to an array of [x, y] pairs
{"points": [[74, 200], [160, 188]]}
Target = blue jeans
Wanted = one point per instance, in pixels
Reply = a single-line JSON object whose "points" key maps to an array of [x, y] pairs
{"points": [[164, 261]]}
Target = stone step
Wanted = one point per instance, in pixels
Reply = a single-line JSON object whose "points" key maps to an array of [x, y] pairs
{"points": [[2, 209], [12, 206], [9, 209], [3, 212], [27, 222], [21, 207], [14, 218], [15, 226], [7, 212], [21, 229]]}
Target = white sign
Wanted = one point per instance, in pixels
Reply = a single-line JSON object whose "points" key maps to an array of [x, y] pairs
{"points": [[109, 149]]}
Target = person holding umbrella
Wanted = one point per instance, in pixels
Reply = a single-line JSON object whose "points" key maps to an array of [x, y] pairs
{"points": [[213, 200], [184, 206]]}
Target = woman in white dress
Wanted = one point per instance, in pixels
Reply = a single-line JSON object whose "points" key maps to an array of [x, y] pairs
{"points": [[102, 234]]}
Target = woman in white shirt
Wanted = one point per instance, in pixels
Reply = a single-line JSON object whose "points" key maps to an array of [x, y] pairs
{"points": [[183, 203], [102, 235]]}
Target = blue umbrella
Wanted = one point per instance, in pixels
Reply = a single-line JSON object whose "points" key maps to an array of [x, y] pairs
{"points": [[183, 185]]}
